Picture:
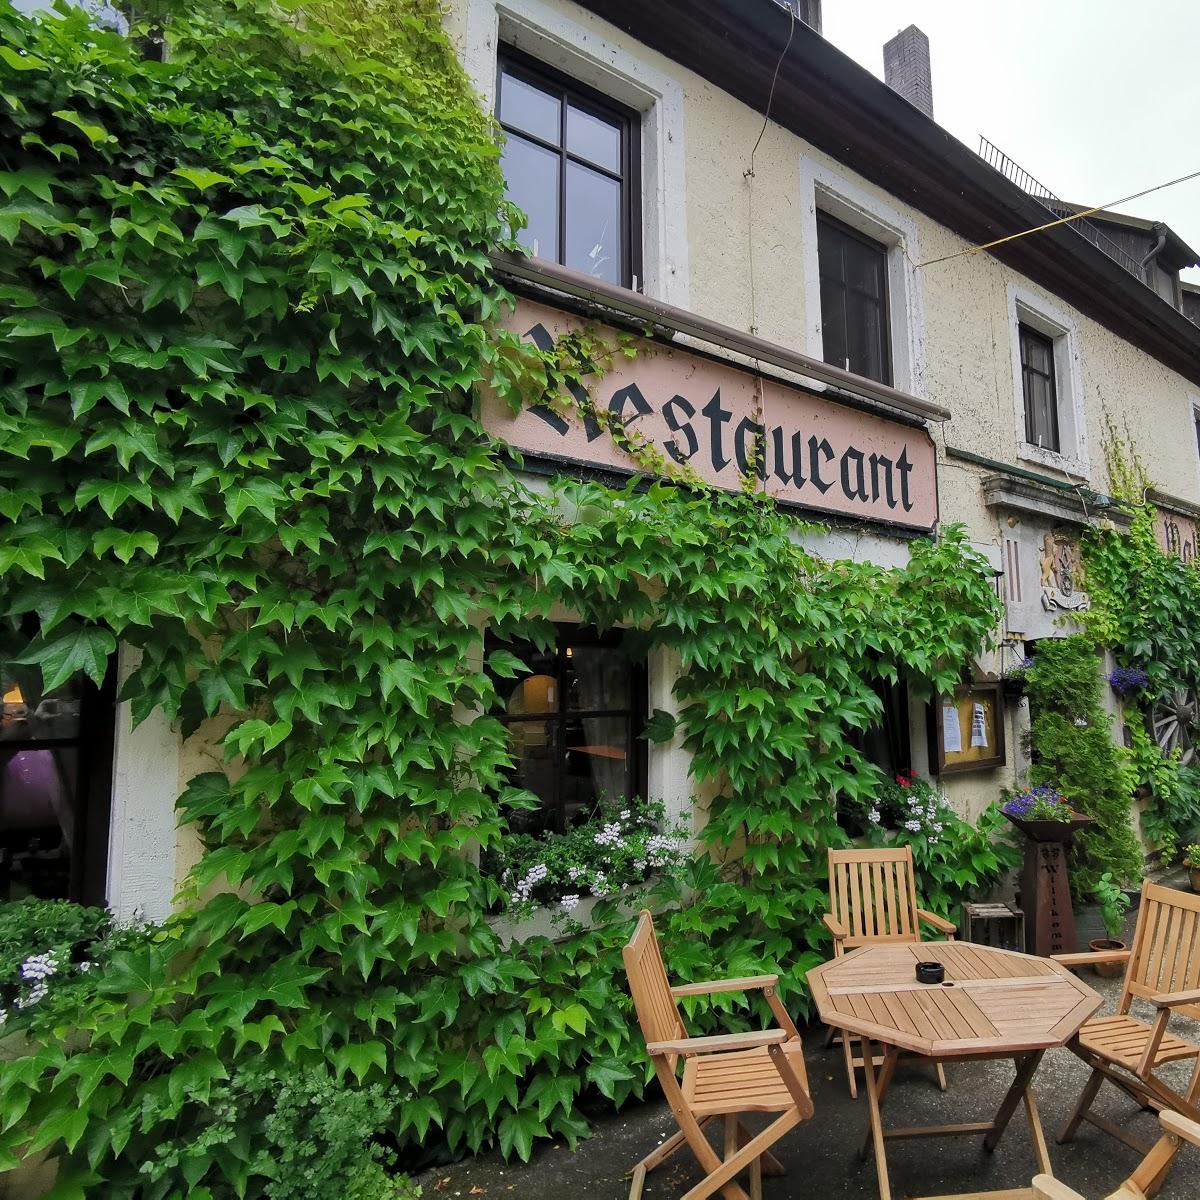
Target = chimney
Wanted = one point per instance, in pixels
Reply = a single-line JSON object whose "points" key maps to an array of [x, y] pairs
{"points": [[906, 68]]}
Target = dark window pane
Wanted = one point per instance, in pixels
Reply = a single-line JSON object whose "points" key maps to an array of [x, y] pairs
{"points": [[854, 314], [863, 269], [39, 803], [833, 324], [531, 178], [593, 233], [567, 757], [597, 764], [526, 107], [594, 138], [865, 335], [535, 751], [27, 714], [597, 677], [1040, 391]]}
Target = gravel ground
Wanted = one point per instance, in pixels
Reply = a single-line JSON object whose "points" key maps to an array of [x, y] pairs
{"points": [[822, 1158]]}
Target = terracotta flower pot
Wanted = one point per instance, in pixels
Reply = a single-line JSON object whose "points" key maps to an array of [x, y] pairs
{"points": [[1112, 970], [1194, 876]]}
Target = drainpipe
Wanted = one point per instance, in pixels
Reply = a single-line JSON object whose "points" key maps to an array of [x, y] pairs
{"points": [[1161, 230]]}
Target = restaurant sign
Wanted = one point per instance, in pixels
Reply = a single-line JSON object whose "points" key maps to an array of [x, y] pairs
{"points": [[726, 424]]}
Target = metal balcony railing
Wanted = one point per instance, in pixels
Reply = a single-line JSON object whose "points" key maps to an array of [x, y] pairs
{"points": [[1015, 173]]}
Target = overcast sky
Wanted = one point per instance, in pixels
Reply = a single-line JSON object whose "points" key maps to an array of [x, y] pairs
{"points": [[1096, 99]]}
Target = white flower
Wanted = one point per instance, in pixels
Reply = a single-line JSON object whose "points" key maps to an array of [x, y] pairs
{"points": [[610, 835], [3, 1017], [36, 993], [625, 814], [569, 903], [39, 966], [639, 864], [913, 826], [874, 816]]}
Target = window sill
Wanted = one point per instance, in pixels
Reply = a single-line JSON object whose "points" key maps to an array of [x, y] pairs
{"points": [[1067, 464], [541, 922]]}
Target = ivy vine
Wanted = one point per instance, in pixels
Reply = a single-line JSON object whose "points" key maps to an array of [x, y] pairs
{"points": [[1146, 609], [246, 306]]}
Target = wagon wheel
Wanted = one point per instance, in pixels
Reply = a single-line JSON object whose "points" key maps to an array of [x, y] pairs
{"points": [[1173, 724]]}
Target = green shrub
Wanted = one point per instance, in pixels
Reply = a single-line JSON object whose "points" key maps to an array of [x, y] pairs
{"points": [[310, 1137], [1071, 742], [59, 962], [955, 860]]}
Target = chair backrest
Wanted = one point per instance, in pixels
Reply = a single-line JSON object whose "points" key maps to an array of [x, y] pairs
{"points": [[657, 1013], [873, 894], [1166, 947]]}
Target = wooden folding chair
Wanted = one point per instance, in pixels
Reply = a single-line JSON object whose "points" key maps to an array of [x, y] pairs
{"points": [[873, 898], [723, 1075], [1149, 1176], [1164, 970]]}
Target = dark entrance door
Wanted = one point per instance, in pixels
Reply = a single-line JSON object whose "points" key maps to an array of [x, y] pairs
{"points": [[56, 758]]}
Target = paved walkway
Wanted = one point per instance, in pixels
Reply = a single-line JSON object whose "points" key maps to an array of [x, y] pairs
{"points": [[821, 1156]]}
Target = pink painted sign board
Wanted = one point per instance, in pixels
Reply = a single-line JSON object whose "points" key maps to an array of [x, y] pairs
{"points": [[822, 455]]}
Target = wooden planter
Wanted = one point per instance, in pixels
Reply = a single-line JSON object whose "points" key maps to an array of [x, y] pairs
{"points": [[1045, 886]]}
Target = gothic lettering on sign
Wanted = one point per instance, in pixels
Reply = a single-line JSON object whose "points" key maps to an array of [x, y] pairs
{"points": [[727, 426]]}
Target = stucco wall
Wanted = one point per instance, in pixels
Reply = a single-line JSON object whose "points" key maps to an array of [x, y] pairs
{"points": [[750, 252]]}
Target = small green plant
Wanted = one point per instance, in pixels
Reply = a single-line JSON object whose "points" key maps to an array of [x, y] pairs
{"points": [[1114, 904], [314, 1137], [954, 860], [1191, 856]]}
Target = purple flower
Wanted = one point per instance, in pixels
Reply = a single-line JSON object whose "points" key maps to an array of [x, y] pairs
{"points": [[1127, 680], [1041, 803]]}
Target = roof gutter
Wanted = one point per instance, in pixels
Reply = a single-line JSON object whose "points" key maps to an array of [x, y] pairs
{"points": [[642, 309]]}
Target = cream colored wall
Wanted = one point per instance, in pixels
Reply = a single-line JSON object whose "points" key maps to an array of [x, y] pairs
{"points": [[744, 273], [747, 258]]}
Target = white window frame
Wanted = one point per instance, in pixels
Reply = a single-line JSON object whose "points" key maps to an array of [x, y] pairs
{"points": [[1026, 307], [826, 190], [585, 53]]}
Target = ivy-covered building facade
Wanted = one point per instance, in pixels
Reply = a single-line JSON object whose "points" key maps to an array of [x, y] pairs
{"points": [[799, 304], [838, 224], [391, 578]]}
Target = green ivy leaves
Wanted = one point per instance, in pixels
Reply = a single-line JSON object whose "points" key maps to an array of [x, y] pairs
{"points": [[242, 302]]}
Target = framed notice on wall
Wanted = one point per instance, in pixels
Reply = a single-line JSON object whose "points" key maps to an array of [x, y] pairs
{"points": [[967, 729]]}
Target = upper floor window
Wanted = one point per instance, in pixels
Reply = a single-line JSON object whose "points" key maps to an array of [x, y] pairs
{"points": [[574, 718], [854, 300], [570, 162], [1039, 389]]}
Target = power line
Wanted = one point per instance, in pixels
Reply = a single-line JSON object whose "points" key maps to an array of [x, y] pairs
{"points": [[1087, 212]]}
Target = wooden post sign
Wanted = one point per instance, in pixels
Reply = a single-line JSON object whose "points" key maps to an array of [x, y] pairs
{"points": [[726, 424]]}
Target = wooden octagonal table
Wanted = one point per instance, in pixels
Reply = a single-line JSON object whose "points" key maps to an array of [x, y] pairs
{"points": [[992, 1004]]}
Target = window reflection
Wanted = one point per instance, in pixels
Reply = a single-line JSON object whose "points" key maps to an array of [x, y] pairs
{"points": [[568, 164], [573, 720]]}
